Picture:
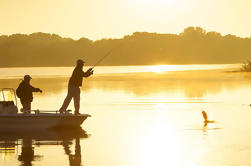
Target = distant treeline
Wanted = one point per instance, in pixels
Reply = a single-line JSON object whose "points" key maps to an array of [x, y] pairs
{"points": [[193, 46]]}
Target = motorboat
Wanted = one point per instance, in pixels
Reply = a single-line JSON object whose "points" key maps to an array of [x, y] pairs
{"points": [[41, 120], [10, 118]]}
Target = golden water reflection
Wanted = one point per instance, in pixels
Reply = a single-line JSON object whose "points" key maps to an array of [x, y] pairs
{"points": [[141, 119], [26, 146]]}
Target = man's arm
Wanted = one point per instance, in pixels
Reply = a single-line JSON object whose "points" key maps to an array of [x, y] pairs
{"points": [[88, 73], [35, 89]]}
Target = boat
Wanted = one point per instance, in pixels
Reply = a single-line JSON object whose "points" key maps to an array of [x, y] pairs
{"points": [[10, 118]]}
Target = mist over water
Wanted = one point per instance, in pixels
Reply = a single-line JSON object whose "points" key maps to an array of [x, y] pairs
{"points": [[146, 116]]}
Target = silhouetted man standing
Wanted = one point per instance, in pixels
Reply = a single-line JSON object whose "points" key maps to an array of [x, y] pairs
{"points": [[73, 86], [24, 92]]}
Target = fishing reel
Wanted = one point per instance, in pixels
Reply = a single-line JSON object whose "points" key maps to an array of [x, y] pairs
{"points": [[90, 71]]}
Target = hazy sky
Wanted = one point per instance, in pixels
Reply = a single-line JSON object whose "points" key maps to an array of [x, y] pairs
{"points": [[97, 19]]}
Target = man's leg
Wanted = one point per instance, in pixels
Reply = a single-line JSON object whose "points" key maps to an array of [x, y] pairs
{"points": [[26, 106], [29, 107], [76, 99], [67, 100]]}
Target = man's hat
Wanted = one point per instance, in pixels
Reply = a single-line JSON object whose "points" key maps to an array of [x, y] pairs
{"points": [[27, 77], [80, 62]]}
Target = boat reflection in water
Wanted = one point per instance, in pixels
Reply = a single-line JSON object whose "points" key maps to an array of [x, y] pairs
{"points": [[28, 139]]}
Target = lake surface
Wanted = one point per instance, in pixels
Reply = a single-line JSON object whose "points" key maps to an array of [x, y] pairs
{"points": [[141, 116]]}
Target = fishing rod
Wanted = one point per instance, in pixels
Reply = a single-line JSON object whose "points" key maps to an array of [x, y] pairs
{"points": [[101, 59]]}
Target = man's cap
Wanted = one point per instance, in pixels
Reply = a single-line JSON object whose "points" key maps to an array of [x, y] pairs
{"points": [[80, 62], [27, 77]]}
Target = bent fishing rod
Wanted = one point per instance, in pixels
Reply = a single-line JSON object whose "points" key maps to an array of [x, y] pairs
{"points": [[101, 59]]}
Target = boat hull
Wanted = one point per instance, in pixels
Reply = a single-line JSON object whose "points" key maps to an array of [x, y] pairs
{"points": [[32, 121]]}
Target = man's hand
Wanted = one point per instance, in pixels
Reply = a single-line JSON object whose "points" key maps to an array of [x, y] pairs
{"points": [[90, 71], [40, 91]]}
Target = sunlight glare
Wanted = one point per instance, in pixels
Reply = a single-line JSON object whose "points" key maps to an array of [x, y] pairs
{"points": [[160, 146], [161, 68], [159, 3], [152, 8]]}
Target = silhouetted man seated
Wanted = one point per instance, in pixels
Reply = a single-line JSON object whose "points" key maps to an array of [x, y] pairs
{"points": [[24, 92], [73, 86]]}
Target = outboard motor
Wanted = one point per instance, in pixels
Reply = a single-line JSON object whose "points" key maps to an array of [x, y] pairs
{"points": [[8, 106]]}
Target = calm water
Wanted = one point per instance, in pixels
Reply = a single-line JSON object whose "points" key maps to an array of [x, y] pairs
{"points": [[141, 116]]}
